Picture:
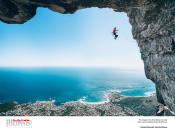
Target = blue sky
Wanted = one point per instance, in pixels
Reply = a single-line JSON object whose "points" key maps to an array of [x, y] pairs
{"points": [[80, 39]]}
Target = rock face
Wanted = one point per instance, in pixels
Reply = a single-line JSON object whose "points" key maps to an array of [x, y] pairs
{"points": [[153, 26]]}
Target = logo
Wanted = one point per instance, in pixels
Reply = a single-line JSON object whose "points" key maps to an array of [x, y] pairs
{"points": [[18, 123]]}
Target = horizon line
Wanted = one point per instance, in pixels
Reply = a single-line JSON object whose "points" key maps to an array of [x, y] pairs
{"points": [[106, 67]]}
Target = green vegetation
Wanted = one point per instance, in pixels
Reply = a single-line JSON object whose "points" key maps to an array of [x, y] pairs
{"points": [[7, 106]]}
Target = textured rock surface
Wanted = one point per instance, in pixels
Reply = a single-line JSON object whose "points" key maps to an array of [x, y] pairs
{"points": [[153, 26]]}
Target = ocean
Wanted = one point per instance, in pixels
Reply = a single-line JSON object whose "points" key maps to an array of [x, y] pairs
{"points": [[70, 84]]}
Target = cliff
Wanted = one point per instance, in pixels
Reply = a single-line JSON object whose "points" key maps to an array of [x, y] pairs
{"points": [[153, 26]]}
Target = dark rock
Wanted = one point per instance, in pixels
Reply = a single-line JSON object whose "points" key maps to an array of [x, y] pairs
{"points": [[173, 46]]}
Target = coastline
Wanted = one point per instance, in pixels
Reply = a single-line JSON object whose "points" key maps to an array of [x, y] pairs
{"points": [[107, 96], [115, 105]]}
